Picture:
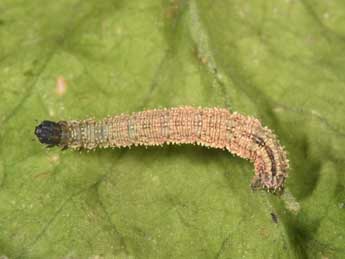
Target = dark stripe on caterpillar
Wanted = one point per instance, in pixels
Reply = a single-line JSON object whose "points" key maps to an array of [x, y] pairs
{"points": [[269, 152], [212, 127]]}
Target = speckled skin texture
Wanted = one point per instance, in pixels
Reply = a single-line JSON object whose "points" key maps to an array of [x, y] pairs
{"points": [[211, 127]]}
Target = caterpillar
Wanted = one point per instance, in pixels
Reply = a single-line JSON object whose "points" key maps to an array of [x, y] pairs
{"points": [[241, 135]]}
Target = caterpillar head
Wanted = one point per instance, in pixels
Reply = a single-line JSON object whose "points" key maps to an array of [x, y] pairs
{"points": [[49, 133]]}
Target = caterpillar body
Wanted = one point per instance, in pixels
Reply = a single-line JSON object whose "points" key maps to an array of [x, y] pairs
{"points": [[211, 127]]}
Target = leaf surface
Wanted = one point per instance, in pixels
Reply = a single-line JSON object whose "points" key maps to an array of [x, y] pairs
{"points": [[280, 61]]}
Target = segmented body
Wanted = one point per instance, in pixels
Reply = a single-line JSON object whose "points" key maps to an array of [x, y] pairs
{"points": [[212, 127]]}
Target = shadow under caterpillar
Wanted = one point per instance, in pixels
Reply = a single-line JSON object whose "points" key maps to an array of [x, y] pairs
{"points": [[211, 127]]}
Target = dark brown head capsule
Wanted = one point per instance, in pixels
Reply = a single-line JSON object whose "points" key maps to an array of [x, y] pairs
{"points": [[49, 133]]}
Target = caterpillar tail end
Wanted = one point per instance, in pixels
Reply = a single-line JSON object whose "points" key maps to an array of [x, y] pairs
{"points": [[49, 133], [257, 185]]}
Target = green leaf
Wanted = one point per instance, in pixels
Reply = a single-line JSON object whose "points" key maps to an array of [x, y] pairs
{"points": [[280, 61]]}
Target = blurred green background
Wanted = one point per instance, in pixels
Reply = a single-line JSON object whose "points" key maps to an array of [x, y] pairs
{"points": [[281, 61]]}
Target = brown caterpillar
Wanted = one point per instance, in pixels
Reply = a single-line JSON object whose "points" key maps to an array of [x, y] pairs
{"points": [[211, 127]]}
